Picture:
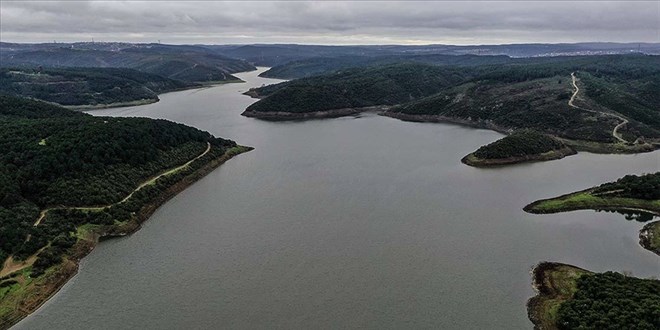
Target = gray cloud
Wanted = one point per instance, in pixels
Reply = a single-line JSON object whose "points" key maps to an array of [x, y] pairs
{"points": [[330, 22]]}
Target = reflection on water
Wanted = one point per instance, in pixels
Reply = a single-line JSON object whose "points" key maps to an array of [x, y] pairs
{"points": [[635, 215]]}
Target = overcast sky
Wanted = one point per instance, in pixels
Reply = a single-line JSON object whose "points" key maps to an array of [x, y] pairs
{"points": [[330, 22]]}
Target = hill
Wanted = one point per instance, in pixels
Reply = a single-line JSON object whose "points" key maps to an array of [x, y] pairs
{"points": [[615, 108], [67, 178], [87, 87], [353, 89], [521, 146], [324, 65], [279, 54], [186, 63]]}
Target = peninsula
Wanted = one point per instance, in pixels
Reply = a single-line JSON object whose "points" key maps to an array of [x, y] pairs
{"points": [[630, 193]]}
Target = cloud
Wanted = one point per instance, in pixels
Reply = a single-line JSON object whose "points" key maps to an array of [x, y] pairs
{"points": [[330, 22]]}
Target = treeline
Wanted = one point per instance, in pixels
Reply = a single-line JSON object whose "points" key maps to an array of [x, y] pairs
{"points": [[645, 186], [86, 86], [612, 301], [355, 88], [57, 157], [180, 62], [498, 67], [526, 93], [519, 144]]}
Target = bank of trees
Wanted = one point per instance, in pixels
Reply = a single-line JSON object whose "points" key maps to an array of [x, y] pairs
{"points": [[612, 301], [354, 88], [85, 86], [519, 144], [645, 186], [519, 93], [56, 157]]}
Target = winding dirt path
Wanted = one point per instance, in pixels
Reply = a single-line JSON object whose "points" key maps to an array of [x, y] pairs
{"points": [[150, 181], [615, 131]]}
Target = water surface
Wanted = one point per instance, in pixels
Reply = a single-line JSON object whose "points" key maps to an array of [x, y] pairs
{"points": [[366, 222]]}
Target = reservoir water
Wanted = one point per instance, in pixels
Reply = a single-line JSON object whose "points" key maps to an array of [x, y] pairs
{"points": [[366, 222]]}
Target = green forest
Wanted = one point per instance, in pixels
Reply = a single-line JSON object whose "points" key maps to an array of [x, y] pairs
{"points": [[520, 143], [86, 86], [179, 62], [355, 88], [645, 186], [54, 157], [612, 301], [525, 93]]}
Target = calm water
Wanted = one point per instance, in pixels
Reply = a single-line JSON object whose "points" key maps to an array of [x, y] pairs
{"points": [[365, 222]]}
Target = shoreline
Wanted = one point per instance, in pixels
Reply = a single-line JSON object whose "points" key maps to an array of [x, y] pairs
{"points": [[382, 110], [197, 85], [474, 161], [335, 113], [649, 234], [45, 287], [533, 207], [548, 281]]}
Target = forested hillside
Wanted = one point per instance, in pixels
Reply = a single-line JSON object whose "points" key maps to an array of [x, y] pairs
{"points": [[186, 63], [87, 86], [632, 186], [612, 301], [519, 144], [54, 157], [384, 85], [526, 93], [324, 65]]}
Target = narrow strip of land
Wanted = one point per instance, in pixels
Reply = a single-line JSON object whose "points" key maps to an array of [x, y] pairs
{"points": [[615, 131]]}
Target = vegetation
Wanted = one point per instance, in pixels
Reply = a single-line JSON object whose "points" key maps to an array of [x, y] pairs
{"points": [[387, 85], [85, 161], [185, 63], [522, 93], [573, 298], [645, 187], [278, 55], [630, 193], [323, 65], [555, 283], [612, 301], [519, 144], [86, 86], [67, 178]]}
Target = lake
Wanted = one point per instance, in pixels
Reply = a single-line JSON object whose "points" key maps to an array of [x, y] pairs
{"points": [[354, 222]]}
